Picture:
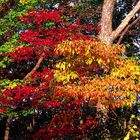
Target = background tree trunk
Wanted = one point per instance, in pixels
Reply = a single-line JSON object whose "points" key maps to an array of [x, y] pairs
{"points": [[7, 129]]}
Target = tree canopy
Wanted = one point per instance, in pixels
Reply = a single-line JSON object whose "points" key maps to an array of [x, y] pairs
{"points": [[66, 71]]}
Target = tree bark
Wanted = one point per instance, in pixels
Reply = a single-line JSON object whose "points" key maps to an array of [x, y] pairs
{"points": [[7, 129], [125, 22], [106, 22], [106, 35], [36, 66], [127, 28]]}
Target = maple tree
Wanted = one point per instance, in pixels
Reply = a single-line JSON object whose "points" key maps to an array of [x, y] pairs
{"points": [[74, 78], [41, 39]]}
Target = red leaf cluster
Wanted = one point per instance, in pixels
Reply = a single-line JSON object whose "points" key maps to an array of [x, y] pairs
{"points": [[40, 16], [31, 93], [41, 39]]}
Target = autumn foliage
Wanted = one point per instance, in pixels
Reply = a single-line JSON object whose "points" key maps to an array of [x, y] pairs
{"points": [[86, 77]]}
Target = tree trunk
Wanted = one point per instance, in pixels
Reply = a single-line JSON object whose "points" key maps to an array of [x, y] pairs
{"points": [[106, 35], [7, 129], [106, 22]]}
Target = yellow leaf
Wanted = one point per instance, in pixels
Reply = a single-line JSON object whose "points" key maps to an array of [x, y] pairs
{"points": [[13, 85], [69, 65], [73, 75], [127, 137], [63, 66], [132, 68], [89, 61], [108, 60], [100, 61], [22, 1], [57, 65]]}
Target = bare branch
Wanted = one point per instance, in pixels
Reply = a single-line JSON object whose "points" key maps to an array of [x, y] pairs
{"points": [[127, 28], [125, 22], [36, 66]]}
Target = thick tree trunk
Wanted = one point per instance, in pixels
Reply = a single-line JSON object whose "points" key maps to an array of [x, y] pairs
{"points": [[106, 22], [106, 35]]}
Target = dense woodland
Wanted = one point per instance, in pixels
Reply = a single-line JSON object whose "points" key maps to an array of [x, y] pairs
{"points": [[69, 70]]}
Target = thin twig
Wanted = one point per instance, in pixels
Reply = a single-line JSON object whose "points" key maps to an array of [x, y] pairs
{"points": [[127, 28], [36, 67]]}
